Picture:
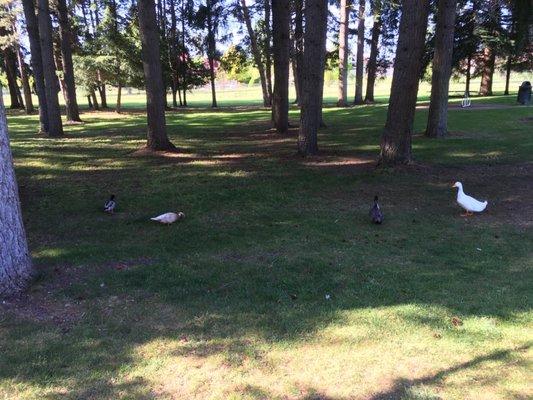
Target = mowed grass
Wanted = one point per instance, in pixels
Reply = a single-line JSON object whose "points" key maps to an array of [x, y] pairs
{"points": [[231, 303]]}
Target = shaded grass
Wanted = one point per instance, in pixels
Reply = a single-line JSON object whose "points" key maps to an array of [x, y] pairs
{"points": [[231, 303]]}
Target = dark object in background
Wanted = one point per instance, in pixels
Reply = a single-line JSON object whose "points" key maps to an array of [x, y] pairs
{"points": [[524, 93], [375, 212], [109, 206]]}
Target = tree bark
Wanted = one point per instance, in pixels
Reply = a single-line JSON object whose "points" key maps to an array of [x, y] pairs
{"points": [[55, 126], [298, 48], [344, 50], [28, 101], [396, 138], [468, 75], [507, 75], [155, 104], [118, 108], [256, 53], [281, 20], [487, 71], [211, 54], [359, 69], [15, 259], [442, 69], [73, 113], [92, 95], [316, 16], [268, 50], [10, 65], [36, 61], [373, 58]]}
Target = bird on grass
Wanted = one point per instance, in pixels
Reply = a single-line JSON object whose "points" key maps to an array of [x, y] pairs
{"points": [[375, 212], [110, 205], [468, 203], [169, 218]]}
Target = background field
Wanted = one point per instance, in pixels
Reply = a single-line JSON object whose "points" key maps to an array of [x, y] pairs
{"points": [[231, 302]]}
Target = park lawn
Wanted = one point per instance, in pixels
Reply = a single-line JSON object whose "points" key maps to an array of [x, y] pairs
{"points": [[231, 302]]}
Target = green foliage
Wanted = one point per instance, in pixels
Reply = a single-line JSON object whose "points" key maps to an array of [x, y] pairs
{"points": [[236, 64]]}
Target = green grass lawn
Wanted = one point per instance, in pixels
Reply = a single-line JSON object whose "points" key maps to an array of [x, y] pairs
{"points": [[231, 302]]}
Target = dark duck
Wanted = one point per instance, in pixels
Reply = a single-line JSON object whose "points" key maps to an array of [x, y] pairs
{"points": [[109, 206], [375, 212]]}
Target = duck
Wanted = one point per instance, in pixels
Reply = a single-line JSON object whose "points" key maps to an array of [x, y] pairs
{"points": [[110, 205], [169, 217], [375, 212], [468, 203]]}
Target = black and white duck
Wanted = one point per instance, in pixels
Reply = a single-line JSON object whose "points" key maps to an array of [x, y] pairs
{"points": [[375, 212]]}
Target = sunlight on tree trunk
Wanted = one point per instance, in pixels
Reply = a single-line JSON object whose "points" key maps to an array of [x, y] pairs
{"points": [[15, 259], [344, 50], [396, 138], [359, 69], [442, 69]]}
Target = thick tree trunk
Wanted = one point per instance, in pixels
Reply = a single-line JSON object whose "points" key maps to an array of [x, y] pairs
{"points": [[268, 49], [28, 101], [36, 61], [255, 52], [396, 138], [298, 48], [212, 78], [73, 113], [15, 259], [360, 68], [11, 74], [155, 104], [281, 20], [55, 126], [487, 72], [373, 58], [344, 50], [316, 16], [442, 69]]}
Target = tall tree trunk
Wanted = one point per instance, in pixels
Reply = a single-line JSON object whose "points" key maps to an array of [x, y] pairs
{"points": [[507, 75], [212, 78], [255, 52], [155, 104], [396, 138], [442, 69], [101, 89], [36, 61], [344, 50], [89, 101], [92, 95], [316, 16], [55, 126], [373, 58], [118, 108], [468, 75], [281, 20], [268, 49], [28, 101], [11, 73], [15, 259], [487, 71], [298, 48], [73, 113], [360, 68]]}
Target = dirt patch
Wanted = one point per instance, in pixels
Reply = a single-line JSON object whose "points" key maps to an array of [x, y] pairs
{"points": [[42, 304]]}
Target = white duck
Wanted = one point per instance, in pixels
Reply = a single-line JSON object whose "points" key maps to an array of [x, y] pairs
{"points": [[467, 202], [169, 217]]}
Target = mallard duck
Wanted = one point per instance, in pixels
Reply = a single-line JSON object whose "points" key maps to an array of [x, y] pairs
{"points": [[375, 212], [109, 206], [467, 202], [169, 217]]}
